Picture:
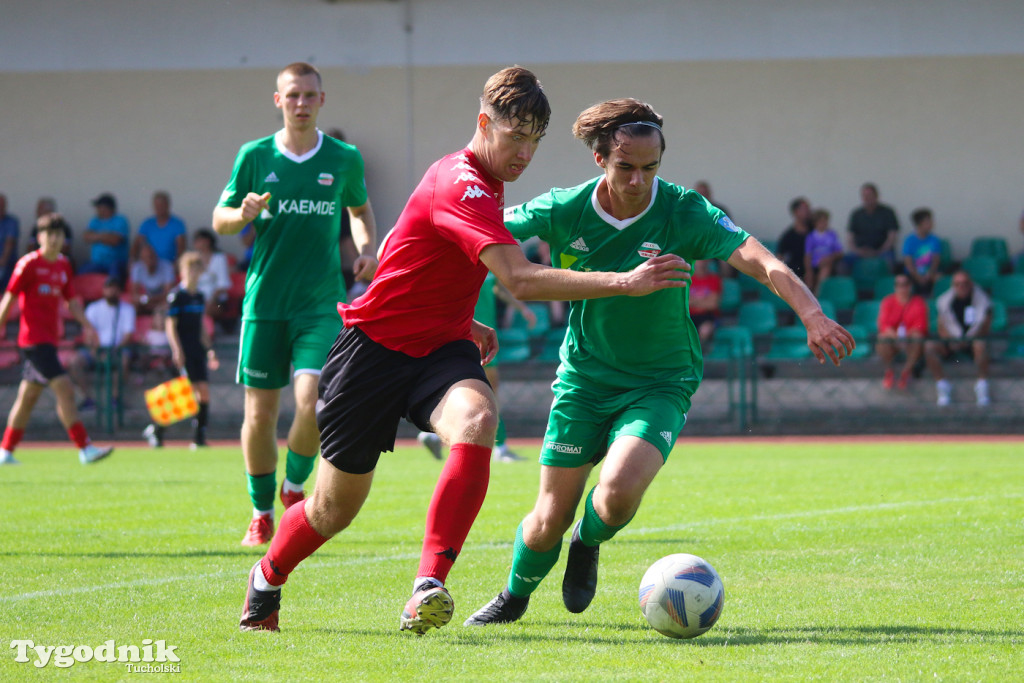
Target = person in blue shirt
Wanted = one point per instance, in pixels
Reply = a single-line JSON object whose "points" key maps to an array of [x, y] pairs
{"points": [[107, 236], [164, 231], [922, 252]]}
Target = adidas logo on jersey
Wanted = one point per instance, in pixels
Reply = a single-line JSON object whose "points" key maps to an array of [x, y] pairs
{"points": [[272, 178], [579, 245], [473, 192]]}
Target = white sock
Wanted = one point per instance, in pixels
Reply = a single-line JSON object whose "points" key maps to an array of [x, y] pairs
{"points": [[421, 579], [292, 488], [259, 513], [260, 583], [4, 453]]}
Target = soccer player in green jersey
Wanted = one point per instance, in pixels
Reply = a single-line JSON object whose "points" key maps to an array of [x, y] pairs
{"points": [[628, 366], [292, 186]]}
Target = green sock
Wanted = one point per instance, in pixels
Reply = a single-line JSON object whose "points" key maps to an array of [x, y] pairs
{"points": [[529, 567], [262, 489], [299, 467], [593, 530], [499, 436]]}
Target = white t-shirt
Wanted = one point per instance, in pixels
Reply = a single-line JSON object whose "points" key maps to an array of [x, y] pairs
{"points": [[114, 324], [216, 276]]}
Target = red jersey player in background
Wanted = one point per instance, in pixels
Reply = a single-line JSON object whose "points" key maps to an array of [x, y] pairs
{"points": [[40, 280], [410, 348]]}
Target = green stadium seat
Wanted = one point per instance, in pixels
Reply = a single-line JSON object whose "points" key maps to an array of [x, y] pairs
{"points": [[828, 308], [840, 290], [789, 343], [732, 295], [933, 317], [884, 286], [983, 270], [1015, 349], [757, 316], [1009, 289], [946, 256], [865, 314], [999, 317], [552, 343], [770, 297], [942, 284], [749, 285], [866, 270], [513, 345], [730, 341], [993, 247], [863, 339]]}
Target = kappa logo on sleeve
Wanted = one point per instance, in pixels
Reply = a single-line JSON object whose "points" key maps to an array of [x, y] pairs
{"points": [[473, 192], [467, 177]]}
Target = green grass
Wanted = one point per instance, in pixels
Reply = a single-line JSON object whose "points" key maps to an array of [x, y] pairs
{"points": [[897, 561]]}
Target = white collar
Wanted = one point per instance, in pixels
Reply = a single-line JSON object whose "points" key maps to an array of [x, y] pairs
{"points": [[626, 222], [294, 157]]}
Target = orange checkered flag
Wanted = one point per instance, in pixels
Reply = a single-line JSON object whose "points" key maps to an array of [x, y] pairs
{"points": [[172, 401]]}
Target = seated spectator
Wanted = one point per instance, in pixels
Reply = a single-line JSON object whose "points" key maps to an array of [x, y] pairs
{"points": [[964, 317], [164, 231], [44, 207], [215, 281], [705, 295], [902, 326], [922, 252], [158, 348], [823, 249], [107, 236], [872, 229], [151, 281], [10, 230], [793, 243], [114, 322]]}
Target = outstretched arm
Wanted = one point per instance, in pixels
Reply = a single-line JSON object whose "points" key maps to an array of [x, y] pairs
{"points": [[825, 337]]}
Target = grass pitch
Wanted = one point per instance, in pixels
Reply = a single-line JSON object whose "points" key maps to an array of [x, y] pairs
{"points": [[841, 561]]}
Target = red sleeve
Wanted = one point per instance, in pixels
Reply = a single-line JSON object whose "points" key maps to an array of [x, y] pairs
{"points": [[916, 316], [888, 314], [20, 278], [467, 207]]}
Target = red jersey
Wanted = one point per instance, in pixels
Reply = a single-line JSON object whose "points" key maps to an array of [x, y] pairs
{"points": [[426, 286], [912, 317], [40, 286]]}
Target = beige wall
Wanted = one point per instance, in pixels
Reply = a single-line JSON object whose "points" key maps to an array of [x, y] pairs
{"points": [[938, 131]]}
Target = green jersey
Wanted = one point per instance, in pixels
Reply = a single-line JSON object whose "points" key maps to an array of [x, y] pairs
{"points": [[296, 265], [624, 341]]}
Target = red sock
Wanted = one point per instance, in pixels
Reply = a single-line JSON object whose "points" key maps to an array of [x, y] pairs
{"points": [[457, 499], [78, 434], [12, 437], [294, 541]]}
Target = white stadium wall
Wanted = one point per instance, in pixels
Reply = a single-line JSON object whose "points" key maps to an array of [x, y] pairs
{"points": [[768, 101]]}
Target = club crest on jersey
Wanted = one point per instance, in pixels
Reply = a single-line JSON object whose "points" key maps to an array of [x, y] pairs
{"points": [[649, 250], [728, 224], [325, 179], [473, 192]]}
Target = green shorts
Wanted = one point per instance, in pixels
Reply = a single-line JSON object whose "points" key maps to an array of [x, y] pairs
{"points": [[269, 349], [584, 420]]}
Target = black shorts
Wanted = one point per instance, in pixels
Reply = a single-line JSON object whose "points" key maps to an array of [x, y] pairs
{"points": [[366, 389], [195, 364], [41, 364]]}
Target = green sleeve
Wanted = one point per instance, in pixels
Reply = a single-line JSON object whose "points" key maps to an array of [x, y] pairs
{"points": [[718, 236], [532, 218], [241, 182], [355, 181]]}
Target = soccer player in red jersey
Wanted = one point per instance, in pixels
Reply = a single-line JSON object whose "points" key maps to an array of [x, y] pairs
{"points": [[40, 280], [410, 348]]}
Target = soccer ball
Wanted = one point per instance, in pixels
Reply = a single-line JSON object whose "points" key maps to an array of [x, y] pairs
{"points": [[681, 596]]}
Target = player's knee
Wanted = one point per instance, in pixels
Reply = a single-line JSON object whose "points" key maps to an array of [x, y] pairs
{"points": [[618, 504], [326, 518]]}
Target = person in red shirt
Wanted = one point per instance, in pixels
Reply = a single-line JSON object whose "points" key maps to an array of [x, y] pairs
{"points": [[41, 279], [705, 297], [410, 348], [902, 325]]}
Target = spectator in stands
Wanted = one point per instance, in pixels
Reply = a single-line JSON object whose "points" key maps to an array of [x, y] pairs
{"points": [[152, 279], [902, 326], [922, 252], [215, 280], [44, 207], [164, 231], [40, 281], [114, 322], [872, 228], [705, 295], [10, 230], [964, 320], [793, 243], [107, 236], [822, 251], [703, 188]]}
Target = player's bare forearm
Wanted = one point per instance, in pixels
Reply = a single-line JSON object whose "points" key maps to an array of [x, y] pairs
{"points": [[229, 220], [364, 229], [5, 309]]}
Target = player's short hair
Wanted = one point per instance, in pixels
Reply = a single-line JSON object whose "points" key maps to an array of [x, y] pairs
{"points": [[52, 221], [515, 95], [298, 69], [599, 125], [920, 215], [186, 260]]}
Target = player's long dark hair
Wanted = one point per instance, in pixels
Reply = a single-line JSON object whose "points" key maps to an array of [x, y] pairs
{"points": [[515, 95], [598, 125]]}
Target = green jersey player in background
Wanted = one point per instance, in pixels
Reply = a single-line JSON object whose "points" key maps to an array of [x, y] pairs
{"points": [[292, 186], [628, 366]]}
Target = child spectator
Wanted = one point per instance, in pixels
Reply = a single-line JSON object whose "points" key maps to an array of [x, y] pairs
{"points": [[902, 325], [191, 350], [40, 280], [822, 250], [922, 252]]}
